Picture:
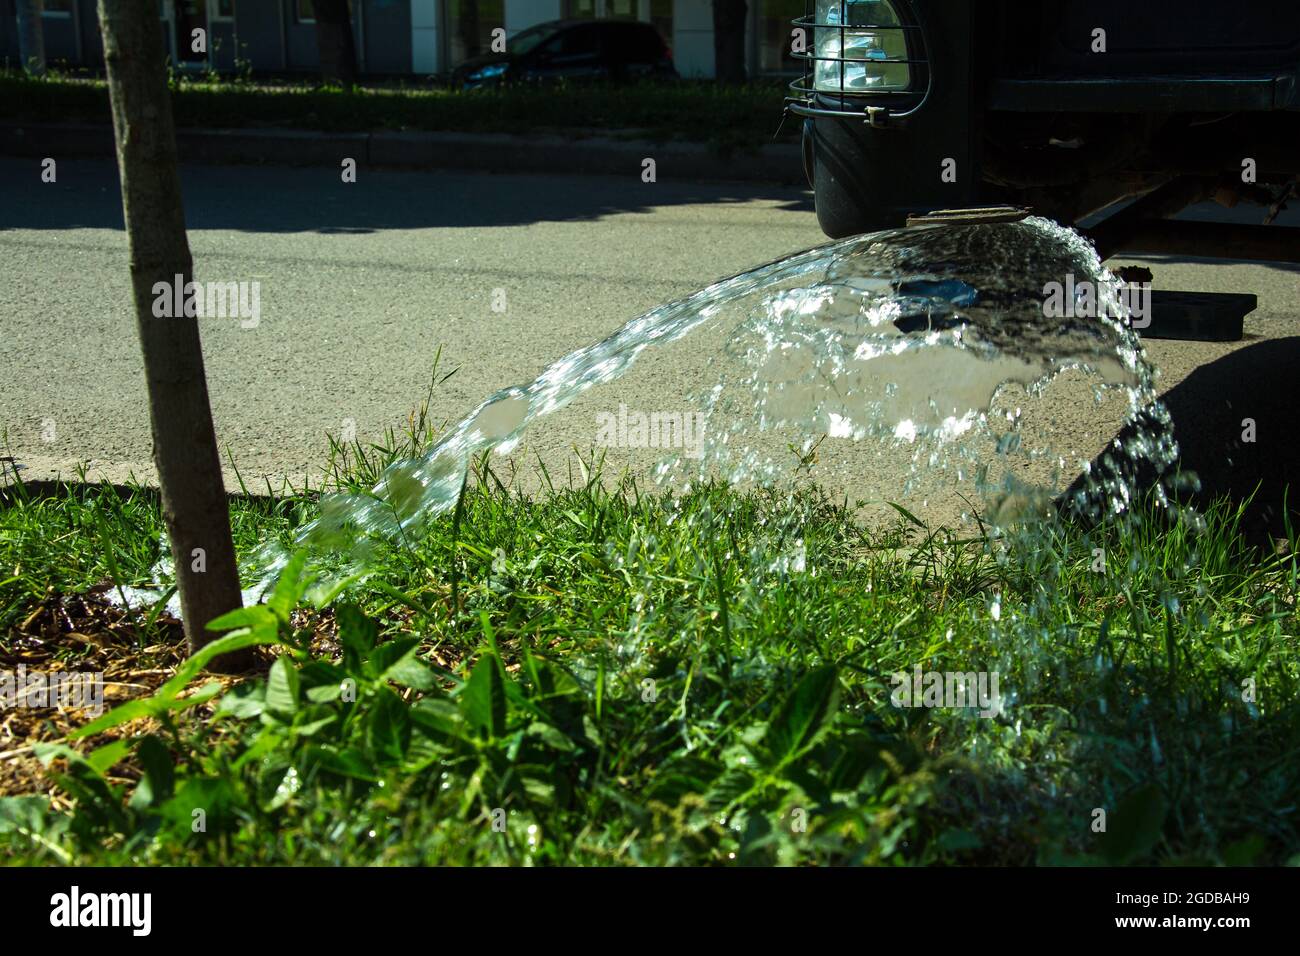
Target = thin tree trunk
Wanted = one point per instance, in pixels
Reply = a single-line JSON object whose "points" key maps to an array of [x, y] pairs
{"points": [[31, 35], [184, 442], [729, 40], [334, 43]]}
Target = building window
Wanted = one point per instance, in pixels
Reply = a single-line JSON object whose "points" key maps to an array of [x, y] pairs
{"points": [[618, 9], [58, 9], [775, 35], [621, 9], [221, 9], [470, 24]]}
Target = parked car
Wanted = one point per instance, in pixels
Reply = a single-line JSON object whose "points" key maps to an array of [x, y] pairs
{"points": [[1062, 106], [572, 50]]}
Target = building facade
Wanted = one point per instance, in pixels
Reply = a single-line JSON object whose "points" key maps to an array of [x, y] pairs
{"points": [[398, 37]]}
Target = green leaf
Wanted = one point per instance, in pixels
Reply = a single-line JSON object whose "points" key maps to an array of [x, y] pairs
{"points": [[1133, 828], [803, 776], [388, 731], [325, 597], [484, 700], [357, 633], [551, 736], [325, 693], [257, 618], [316, 675], [25, 813], [47, 753], [159, 780], [85, 783], [398, 596], [201, 696], [287, 782], [272, 736], [290, 586], [29, 816], [538, 787], [282, 688], [907, 514], [729, 786], [118, 715], [859, 755], [310, 728], [486, 624], [209, 799], [409, 672], [346, 763], [802, 715], [243, 701], [687, 774], [438, 718], [222, 645], [104, 758], [387, 656]]}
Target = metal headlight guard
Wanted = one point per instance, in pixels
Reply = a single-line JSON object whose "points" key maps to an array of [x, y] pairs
{"points": [[888, 106]]}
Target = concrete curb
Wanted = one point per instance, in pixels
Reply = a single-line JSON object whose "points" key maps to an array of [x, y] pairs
{"points": [[489, 152]]}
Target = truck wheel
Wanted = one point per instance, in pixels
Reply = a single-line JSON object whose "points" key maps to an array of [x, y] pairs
{"points": [[842, 184]]}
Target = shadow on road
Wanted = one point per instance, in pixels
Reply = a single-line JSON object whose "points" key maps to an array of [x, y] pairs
{"points": [[1212, 411], [314, 199]]}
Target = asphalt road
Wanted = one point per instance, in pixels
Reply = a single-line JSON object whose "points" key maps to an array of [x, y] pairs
{"points": [[360, 284]]}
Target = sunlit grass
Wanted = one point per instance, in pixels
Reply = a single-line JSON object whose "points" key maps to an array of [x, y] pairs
{"points": [[647, 646]]}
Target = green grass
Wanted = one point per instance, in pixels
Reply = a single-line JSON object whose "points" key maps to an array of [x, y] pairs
{"points": [[628, 679], [727, 117]]}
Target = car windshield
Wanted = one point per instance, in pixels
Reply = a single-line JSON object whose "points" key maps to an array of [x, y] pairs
{"points": [[526, 40]]}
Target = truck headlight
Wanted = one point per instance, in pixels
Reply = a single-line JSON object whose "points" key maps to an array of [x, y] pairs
{"points": [[861, 59]]}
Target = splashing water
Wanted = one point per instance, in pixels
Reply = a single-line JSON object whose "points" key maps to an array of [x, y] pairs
{"points": [[916, 365]]}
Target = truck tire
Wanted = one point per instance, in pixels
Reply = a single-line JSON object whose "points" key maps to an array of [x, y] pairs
{"points": [[844, 187]]}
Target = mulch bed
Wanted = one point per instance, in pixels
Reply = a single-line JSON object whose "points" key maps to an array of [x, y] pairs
{"points": [[87, 633]]}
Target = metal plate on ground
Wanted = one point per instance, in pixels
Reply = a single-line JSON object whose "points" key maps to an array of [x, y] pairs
{"points": [[973, 216]]}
